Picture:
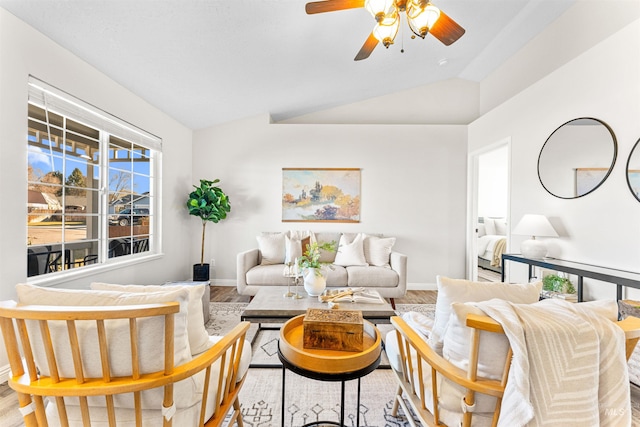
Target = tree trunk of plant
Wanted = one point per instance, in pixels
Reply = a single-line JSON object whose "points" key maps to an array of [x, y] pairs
{"points": [[204, 225]]}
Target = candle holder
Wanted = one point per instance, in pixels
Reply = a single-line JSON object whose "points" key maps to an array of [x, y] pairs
{"points": [[288, 273]]}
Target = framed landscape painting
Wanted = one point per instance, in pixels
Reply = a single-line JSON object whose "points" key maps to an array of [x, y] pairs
{"points": [[320, 195]]}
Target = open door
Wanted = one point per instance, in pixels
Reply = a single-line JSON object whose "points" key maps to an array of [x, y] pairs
{"points": [[488, 212]]}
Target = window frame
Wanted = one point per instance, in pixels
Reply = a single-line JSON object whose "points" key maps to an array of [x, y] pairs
{"points": [[53, 100]]}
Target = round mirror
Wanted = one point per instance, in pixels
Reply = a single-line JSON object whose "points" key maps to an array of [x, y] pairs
{"points": [[577, 157], [633, 170]]}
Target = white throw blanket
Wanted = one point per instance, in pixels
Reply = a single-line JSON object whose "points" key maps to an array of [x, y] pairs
{"points": [[568, 368]]}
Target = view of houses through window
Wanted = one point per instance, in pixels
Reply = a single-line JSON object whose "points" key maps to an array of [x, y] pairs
{"points": [[90, 188]]}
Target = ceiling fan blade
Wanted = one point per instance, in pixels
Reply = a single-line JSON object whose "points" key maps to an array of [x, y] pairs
{"points": [[446, 29], [332, 5], [367, 48]]}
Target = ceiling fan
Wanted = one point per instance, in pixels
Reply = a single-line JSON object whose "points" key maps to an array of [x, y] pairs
{"points": [[422, 16]]}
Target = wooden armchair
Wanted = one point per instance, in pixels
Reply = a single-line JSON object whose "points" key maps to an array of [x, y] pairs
{"points": [[421, 366], [58, 382]]}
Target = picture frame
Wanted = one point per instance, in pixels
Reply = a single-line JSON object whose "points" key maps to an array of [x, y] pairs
{"points": [[321, 195], [587, 179]]}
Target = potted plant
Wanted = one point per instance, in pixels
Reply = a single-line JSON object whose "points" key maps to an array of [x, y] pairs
{"points": [[555, 283], [312, 268], [210, 204]]}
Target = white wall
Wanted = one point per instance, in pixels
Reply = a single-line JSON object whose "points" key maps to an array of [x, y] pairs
{"points": [[24, 51], [604, 82], [413, 186], [493, 183]]}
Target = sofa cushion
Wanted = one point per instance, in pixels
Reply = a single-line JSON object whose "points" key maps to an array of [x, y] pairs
{"points": [[372, 277], [350, 252], [267, 275], [460, 290], [272, 248], [377, 250], [336, 275], [198, 336]]}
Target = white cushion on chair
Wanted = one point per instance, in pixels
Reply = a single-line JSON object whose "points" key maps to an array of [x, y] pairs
{"points": [[460, 290], [150, 338], [198, 336]]}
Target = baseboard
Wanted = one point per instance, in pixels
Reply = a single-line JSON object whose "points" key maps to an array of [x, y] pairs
{"points": [[224, 282], [4, 373], [422, 287]]}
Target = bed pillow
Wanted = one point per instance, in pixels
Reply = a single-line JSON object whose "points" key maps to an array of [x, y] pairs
{"points": [[350, 253], [489, 226], [150, 330], [378, 250], [272, 248], [198, 335], [460, 290]]}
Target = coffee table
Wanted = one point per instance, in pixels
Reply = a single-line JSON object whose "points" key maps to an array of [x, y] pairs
{"points": [[269, 306]]}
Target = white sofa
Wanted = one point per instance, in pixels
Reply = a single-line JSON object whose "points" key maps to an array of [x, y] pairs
{"points": [[362, 260]]}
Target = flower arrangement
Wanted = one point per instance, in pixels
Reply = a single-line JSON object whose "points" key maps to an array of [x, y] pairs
{"points": [[311, 256]]}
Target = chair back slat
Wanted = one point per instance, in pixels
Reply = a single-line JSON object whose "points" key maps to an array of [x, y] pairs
{"points": [[48, 349], [74, 345], [135, 357], [104, 351], [26, 347], [220, 387], [205, 394], [137, 405], [169, 326]]}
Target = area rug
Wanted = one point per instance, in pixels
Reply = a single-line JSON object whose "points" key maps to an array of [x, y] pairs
{"points": [[307, 400]]}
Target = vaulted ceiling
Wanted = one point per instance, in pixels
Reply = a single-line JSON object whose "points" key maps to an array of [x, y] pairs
{"points": [[207, 62]]}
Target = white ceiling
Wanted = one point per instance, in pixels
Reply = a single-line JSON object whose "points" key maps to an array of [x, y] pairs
{"points": [[206, 62]]}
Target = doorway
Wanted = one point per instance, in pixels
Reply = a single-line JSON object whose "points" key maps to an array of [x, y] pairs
{"points": [[488, 213]]}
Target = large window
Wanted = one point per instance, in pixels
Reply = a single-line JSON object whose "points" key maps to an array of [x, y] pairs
{"points": [[91, 184]]}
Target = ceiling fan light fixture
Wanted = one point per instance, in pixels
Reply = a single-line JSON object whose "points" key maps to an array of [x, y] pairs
{"points": [[387, 29], [379, 9], [421, 16]]}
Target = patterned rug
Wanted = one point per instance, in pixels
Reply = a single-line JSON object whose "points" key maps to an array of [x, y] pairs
{"points": [[308, 400]]}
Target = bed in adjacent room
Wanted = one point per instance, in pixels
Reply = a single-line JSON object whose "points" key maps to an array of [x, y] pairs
{"points": [[492, 243]]}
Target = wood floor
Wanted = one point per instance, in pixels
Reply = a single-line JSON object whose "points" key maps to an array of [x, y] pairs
{"points": [[230, 294]]}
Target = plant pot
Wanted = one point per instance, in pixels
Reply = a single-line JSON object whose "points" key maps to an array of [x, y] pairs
{"points": [[200, 272], [314, 281]]}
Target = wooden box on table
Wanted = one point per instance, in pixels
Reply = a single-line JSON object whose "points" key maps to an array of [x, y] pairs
{"points": [[333, 330]]}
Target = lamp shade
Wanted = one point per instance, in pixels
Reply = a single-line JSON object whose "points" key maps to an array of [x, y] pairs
{"points": [[534, 225]]}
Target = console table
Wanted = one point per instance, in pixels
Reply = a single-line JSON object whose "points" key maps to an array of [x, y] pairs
{"points": [[619, 277]]}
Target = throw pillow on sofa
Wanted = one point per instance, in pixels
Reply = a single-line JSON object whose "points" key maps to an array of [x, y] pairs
{"points": [[198, 336], [377, 250], [272, 248], [350, 253]]}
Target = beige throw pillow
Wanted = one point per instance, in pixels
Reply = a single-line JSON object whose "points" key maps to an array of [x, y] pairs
{"points": [[272, 248], [350, 253], [377, 250]]}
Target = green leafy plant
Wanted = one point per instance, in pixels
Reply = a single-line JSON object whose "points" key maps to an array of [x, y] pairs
{"points": [[210, 204], [311, 256], [555, 283]]}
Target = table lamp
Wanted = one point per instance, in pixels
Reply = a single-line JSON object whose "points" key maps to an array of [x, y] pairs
{"points": [[534, 225]]}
